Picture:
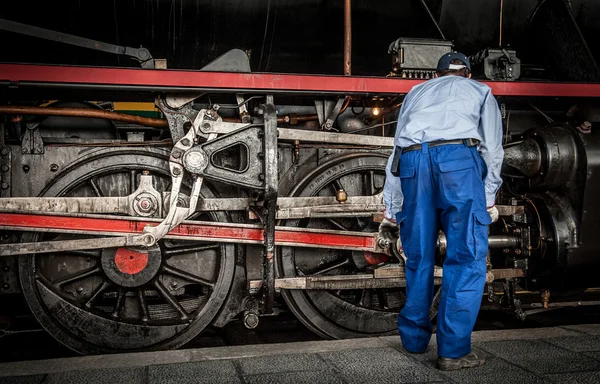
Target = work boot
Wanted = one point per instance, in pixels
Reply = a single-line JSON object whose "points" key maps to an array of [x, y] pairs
{"points": [[469, 361]]}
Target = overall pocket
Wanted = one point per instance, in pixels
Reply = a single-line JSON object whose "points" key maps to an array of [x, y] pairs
{"points": [[456, 179], [481, 221]]}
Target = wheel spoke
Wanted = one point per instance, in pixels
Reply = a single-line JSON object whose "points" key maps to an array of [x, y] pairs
{"points": [[328, 268], [369, 183], [105, 284], [381, 299], [361, 299], [95, 187], [171, 300], [337, 185], [187, 276], [132, 181], [337, 224], [143, 305], [77, 276], [190, 248], [85, 253], [120, 300]]}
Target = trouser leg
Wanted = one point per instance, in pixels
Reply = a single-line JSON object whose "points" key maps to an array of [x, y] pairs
{"points": [[418, 231], [464, 219]]}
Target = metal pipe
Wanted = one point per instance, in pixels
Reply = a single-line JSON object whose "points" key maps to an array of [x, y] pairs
{"points": [[347, 37], [83, 112]]}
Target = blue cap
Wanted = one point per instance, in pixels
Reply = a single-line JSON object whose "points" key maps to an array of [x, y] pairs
{"points": [[445, 60]]}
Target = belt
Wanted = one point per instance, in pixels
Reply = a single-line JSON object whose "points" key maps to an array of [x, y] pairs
{"points": [[431, 144]]}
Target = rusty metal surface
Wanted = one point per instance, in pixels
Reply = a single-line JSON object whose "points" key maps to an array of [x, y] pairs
{"points": [[347, 37]]}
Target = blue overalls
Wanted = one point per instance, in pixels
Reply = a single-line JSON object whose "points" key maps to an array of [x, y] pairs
{"points": [[445, 187]]}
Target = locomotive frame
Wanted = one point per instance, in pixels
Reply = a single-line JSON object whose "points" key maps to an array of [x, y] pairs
{"points": [[128, 233]]}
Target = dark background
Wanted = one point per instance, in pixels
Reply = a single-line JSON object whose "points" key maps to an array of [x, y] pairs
{"points": [[292, 36]]}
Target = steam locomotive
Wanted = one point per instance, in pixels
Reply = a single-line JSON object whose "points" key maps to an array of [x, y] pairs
{"points": [[140, 206]]}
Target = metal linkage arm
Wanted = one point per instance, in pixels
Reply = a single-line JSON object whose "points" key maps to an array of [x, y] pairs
{"points": [[142, 55], [145, 202], [71, 245]]}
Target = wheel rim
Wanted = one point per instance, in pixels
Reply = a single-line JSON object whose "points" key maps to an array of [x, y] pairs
{"points": [[343, 314], [184, 284]]}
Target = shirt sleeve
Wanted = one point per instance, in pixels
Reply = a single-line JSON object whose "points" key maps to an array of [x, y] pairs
{"points": [[490, 127], [392, 192]]}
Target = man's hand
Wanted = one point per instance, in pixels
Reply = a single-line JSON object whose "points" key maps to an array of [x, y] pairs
{"points": [[493, 211], [388, 233]]}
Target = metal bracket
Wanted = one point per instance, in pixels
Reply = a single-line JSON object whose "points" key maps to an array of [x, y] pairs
{"points": [[32, 140], [327, 108], [179, 113], [515, 304], [243, 110], [251, 174]]}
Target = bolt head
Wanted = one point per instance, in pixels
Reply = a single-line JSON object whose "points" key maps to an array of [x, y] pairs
{"points": [[79, 290], [4, 186], [5, 168], [54, 168], [251, 320], [174, 284], [4, 151]]}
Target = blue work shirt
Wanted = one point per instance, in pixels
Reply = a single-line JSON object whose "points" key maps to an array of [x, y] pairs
{"points": [[448, 108]]}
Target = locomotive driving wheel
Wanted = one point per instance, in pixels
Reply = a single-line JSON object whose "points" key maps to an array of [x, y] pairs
{"points": [[116, 300], [343, 313]]}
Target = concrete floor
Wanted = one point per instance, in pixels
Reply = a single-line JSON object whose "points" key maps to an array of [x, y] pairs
{"points": [[542, 355]]}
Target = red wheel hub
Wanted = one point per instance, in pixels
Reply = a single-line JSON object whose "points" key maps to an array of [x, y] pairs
{"points": [[375, 258], [130, 262]]}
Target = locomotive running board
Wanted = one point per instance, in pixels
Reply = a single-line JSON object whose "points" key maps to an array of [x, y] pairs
{"points": [[97, 225]]}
